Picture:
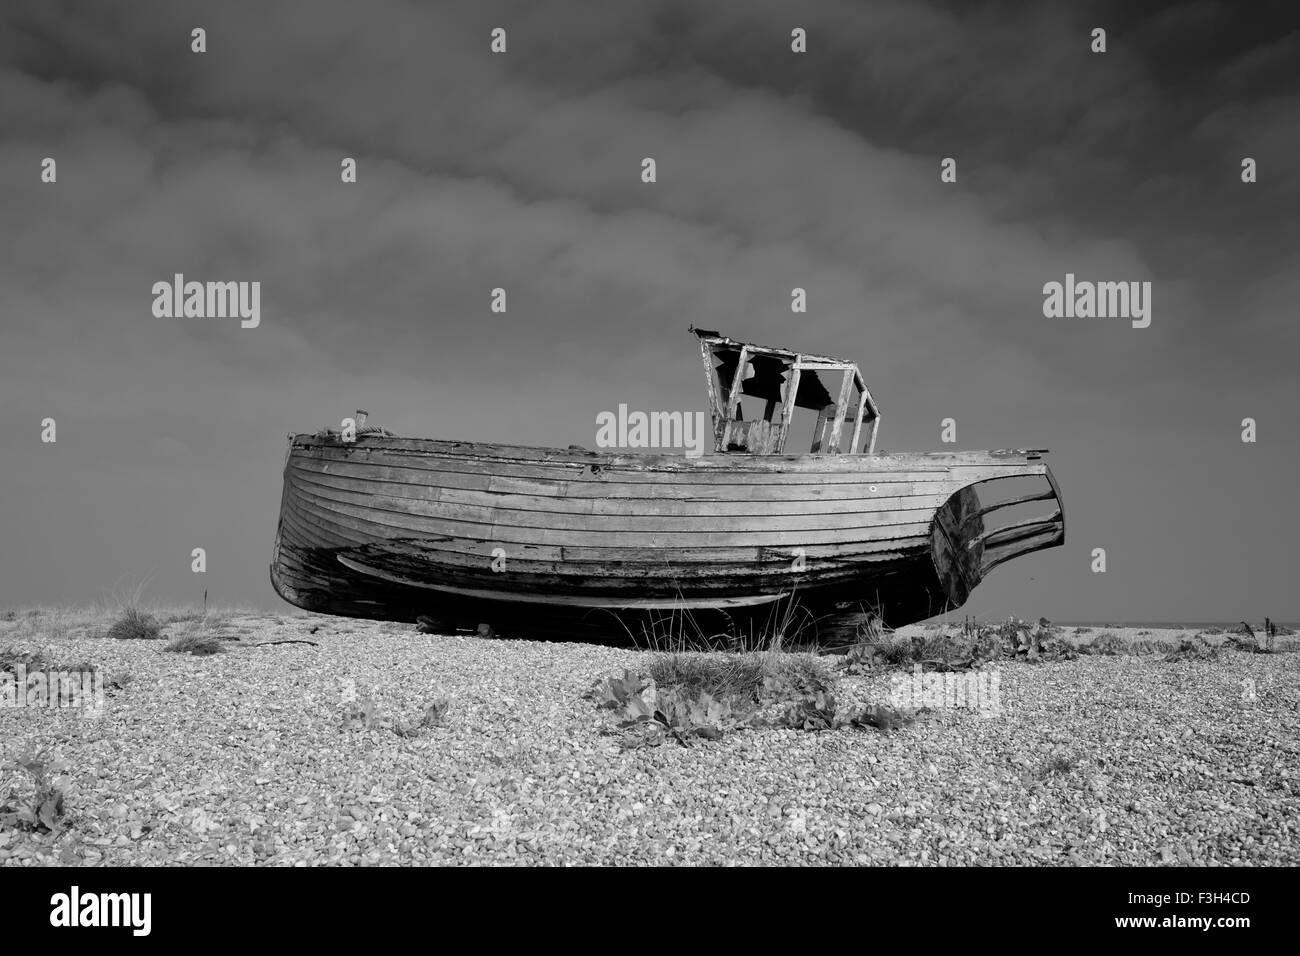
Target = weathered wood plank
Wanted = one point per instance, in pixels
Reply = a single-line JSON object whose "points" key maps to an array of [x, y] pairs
{"points": [[324, 527], [383, 522], [692, 520], [841, 410], [802, 492], [579, 460]]}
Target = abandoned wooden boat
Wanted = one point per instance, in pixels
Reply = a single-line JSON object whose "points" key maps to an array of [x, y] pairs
{"points": [[600, 545]]}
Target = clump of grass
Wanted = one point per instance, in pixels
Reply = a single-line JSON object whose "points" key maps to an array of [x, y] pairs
{"points": [[790, 673], [198, 643], [1242, 641], [1194, 648], [1245, 638], [788, 625], [135, 625], [745, 677], [722, 675], [9, 614], [1150, 647], [1107, 643]]}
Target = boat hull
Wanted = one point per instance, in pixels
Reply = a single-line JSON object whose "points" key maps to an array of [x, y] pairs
{"points": [[578, 545]]}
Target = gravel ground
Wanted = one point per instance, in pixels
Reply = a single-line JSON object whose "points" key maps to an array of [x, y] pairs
{"points": [[244, 758]]}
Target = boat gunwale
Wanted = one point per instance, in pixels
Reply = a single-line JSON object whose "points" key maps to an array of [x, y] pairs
{"points": [[582, 458]]}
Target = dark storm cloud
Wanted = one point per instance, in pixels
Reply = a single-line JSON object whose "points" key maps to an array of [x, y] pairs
{"points": [[522, 171]]}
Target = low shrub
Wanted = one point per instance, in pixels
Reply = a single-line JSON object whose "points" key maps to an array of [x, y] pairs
{"points": [[707, 695], [135, 625], [1194, 648], [38, 806]]}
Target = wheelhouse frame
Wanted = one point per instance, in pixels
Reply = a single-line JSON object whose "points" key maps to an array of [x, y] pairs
{"points": [[784, 380]]}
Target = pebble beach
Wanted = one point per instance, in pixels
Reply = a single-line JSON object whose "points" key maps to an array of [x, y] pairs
{"points": [[301, 754]]}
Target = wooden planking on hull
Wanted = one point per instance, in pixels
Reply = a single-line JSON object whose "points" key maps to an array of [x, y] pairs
{"points": [[381, 524], [542, 593], [325, 523], [603, 468], [727, 570], [475, 516], [757, 491], [583, 499], [718, 580], [609, 481], [306, 563], [720, 571], [625, 589], [542, 480]]}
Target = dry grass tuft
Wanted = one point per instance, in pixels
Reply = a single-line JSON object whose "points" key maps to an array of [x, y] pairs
{"points": [[196, 642], [135, 625]]}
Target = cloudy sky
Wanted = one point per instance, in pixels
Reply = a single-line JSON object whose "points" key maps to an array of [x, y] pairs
{"points": [[775, 170]]}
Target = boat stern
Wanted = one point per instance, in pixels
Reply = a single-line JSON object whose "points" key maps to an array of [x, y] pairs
{"points": [[966, 546]]}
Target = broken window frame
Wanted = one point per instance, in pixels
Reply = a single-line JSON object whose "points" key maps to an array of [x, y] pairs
{"points": [[734, 435]]}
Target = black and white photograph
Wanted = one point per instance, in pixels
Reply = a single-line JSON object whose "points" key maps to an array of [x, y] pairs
{"points": [[662, 433]]}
